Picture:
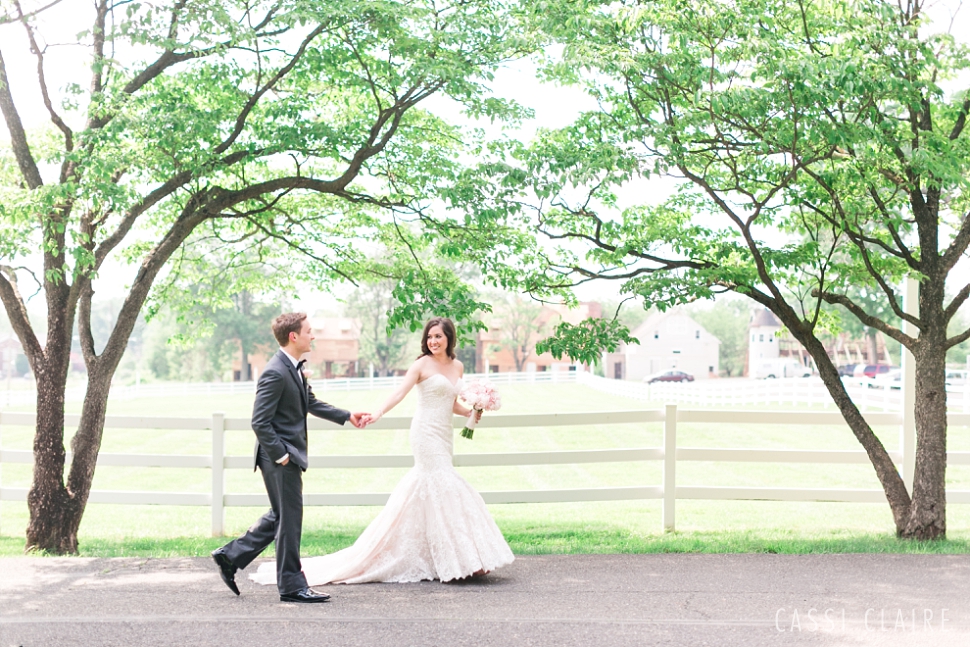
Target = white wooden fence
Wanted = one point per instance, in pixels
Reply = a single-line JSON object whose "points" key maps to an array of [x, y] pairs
{"points": [[669, 454], [727, 392]]}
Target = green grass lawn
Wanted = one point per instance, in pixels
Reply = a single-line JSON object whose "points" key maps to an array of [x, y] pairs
{"points": [[608, 527]]}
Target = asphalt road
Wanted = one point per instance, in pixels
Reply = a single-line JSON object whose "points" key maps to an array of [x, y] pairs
{"points": [[555, 601]]}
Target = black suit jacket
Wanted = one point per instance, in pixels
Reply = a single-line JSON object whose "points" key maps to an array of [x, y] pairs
{"points": [[283, 399]]}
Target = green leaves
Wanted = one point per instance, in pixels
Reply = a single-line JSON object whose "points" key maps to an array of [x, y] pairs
{"points": [[435, 292], [586, 341]]}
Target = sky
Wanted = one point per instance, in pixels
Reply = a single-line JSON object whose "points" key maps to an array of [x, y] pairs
{"points": [[553, 106]]}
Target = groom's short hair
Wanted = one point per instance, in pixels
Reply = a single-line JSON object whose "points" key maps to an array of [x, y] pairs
{"points": [[286, 323]]}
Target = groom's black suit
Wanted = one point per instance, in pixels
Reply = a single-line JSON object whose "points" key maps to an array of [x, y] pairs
{"points": [[283, 399]]}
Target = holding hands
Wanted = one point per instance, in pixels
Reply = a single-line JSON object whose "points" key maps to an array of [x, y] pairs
{"points": [[362, 419], [369, 418]]}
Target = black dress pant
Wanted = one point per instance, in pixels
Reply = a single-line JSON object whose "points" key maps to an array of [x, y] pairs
{"points": [[282, 524]]}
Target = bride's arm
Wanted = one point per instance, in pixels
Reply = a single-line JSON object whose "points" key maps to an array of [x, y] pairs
{"points": [[463, 412], [410, 379], [459, 410]]}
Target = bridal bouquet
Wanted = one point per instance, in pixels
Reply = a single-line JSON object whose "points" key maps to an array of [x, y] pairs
{"points": [[480, 396]]}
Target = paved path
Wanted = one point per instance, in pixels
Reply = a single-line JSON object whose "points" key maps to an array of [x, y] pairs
{"points": [[554, 601]]}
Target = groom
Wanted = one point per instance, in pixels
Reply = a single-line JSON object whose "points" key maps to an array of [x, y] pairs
{"points": [[283, 399]]}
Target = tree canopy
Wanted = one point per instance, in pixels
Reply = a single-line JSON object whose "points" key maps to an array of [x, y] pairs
{"points": [[816, 148], [201, 137]]}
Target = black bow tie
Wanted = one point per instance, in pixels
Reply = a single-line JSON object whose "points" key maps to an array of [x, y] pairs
{"points": [[299, 365]]}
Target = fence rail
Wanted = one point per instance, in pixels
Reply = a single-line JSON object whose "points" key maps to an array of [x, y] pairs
{"points": [[869, 395], [669, 454]]}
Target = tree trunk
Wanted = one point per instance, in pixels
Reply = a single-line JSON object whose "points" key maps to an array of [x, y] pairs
{"points": [[56, 509], [886, 471], [245, 370], [872, 345], [384, 359], [50, 504], [927, 515]]}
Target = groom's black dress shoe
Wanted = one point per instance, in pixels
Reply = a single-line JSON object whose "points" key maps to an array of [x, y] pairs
{"points": [[227, 570], [304, 595]]}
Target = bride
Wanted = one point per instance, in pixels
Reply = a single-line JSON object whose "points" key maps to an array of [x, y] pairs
{"points": [[435, 526]]}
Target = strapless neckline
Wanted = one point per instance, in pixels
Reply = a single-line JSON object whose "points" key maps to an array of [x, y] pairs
{"points": [[453, 384]]}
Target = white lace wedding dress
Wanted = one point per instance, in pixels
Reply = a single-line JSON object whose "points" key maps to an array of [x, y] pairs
{"points": [[435, 526]]}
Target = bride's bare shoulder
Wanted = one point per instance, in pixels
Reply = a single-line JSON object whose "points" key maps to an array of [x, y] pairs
{"points": [[457, 363], [420, 365]]}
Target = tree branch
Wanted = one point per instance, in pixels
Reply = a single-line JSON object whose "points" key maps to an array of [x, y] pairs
{"points": [[370, 79], [98, 61], [173, 23], [958, 301], [958, 246], [859, 240], [132, 215], [961, 120], [41, 79], [376, 142], [5, 19], [254, 99], [167, 59], [743, 227], [597, 241], [153, 198], [84, 325], [958, 339], [869, 320], [286, 240], [900, 245], [18, 137], [16, 310], [199, 207]]}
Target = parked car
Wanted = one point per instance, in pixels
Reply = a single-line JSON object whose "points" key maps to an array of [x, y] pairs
{"points": [[893, 379], [872, 370], [889, 380], [847, 370], [955, 377], [781, 367], [669, 376]]}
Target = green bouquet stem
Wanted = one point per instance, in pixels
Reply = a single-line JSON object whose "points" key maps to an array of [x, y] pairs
{"points": [[469, 429]]}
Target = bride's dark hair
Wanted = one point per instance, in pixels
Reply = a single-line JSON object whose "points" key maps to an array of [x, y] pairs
{"points": [[447, 328]]}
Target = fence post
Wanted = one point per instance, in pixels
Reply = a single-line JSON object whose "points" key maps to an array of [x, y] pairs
{"points": [[670, 466], [218, 473]]}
